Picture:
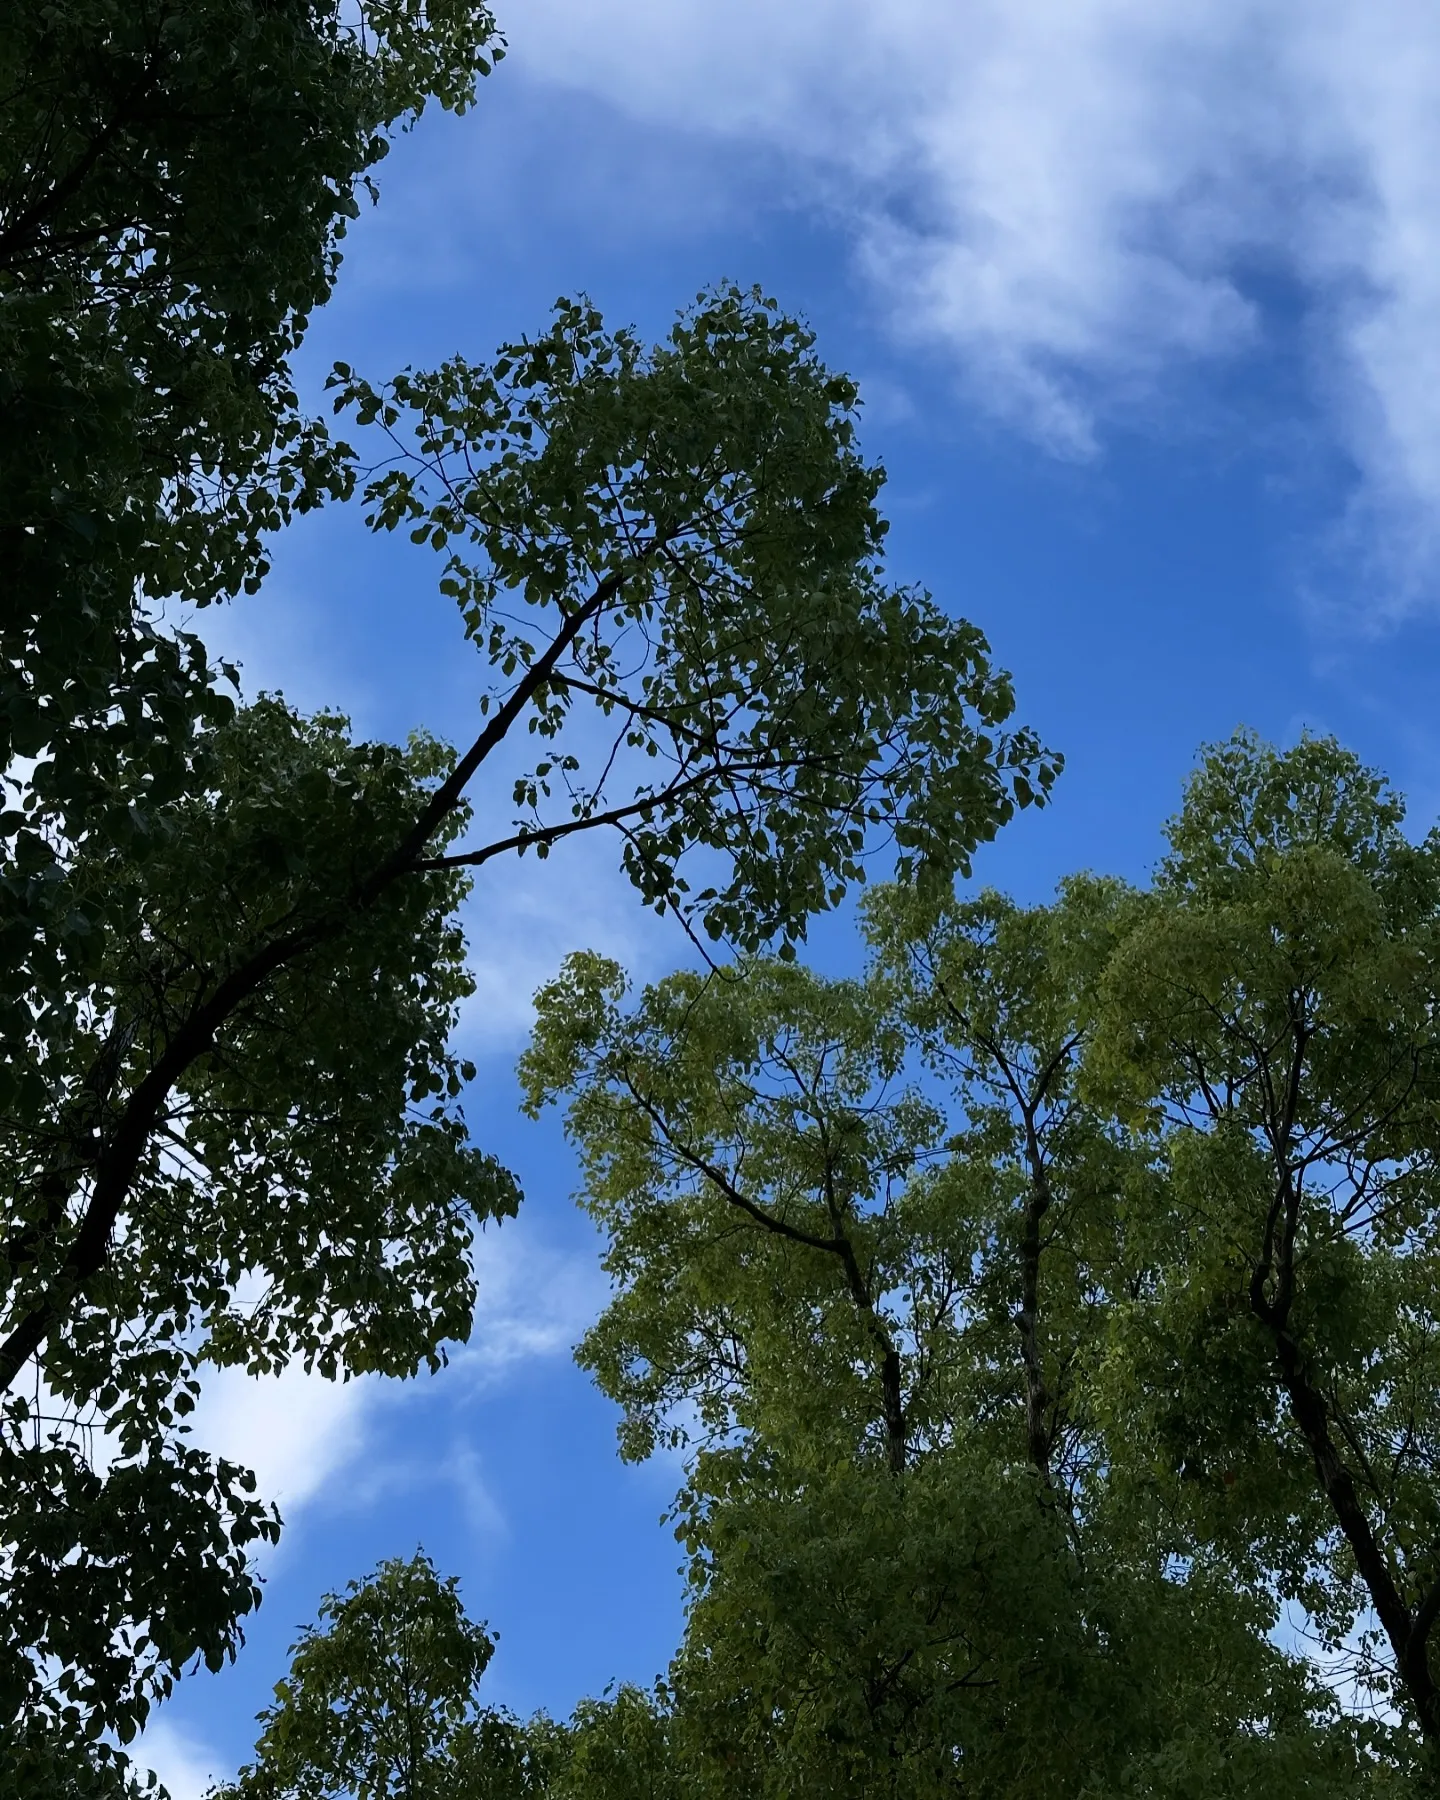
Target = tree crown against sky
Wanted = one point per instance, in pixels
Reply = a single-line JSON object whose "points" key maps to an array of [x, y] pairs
{"points": [[230, 1102], [174, 182], [1047, 1315]]}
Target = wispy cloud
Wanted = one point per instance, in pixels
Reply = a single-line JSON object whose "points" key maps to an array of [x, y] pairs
{"points": [[535, 1302], [465, 1471], [187, 1767], [526, 916], [298, 1431], [1088, 200]]}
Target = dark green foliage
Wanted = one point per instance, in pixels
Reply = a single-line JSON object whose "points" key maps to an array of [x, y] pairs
{"points": [[300, 1186], [225, 1065], [687, 538], [175, 176], [231, 964]]}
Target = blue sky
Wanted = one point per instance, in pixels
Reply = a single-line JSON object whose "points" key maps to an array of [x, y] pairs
{"points": [[1145, 307]]}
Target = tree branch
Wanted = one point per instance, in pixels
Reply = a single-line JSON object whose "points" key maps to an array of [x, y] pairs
{"points": [[717, 1176], [116, 1166], [1407, 1639], [448, 795]]}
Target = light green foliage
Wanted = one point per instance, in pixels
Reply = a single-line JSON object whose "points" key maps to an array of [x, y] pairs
{"points": [[732, 1131], [381, 1703], [1272, 1012], [1043, 1314], [1035, 1316], [879, 1334], [622, 1748], [996, 1000], [380, 1699]]}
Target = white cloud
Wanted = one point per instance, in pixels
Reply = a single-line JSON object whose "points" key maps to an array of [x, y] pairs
{"points": [[1079, 196], [295, 1430], [299, 1432], [184, 1765], [534, 1303], [464, 1470], [527, 915]]}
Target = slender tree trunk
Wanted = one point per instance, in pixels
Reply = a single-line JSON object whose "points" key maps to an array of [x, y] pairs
{"points": [[1039, 1434], [1408, 1632]]}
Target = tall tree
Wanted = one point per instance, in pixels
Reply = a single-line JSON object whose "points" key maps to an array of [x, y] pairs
{"points": [[236, 1078], [1271, 1014], [228, 1102], [175, 178], [1037, 1316], [875, 1331]]}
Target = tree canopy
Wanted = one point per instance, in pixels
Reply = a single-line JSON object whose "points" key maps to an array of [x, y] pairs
{"points": [[230, 1101], [175, 180], [381, 1699], [1046, 1316], [1045, 1321], [175, 177]]}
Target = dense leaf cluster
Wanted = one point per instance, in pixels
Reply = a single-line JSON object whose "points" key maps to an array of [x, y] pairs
{"points": [[298, 1185], [175, 177], [1047, 1322], [1047, 1318], [229, 1099]]}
